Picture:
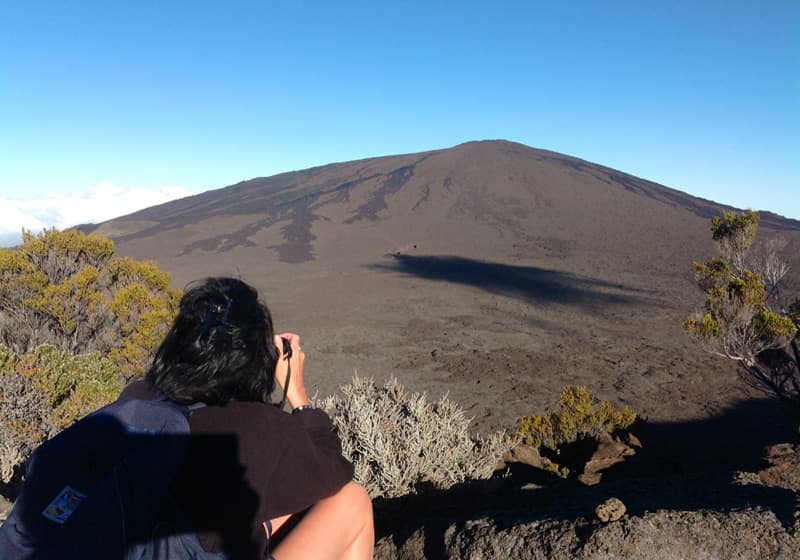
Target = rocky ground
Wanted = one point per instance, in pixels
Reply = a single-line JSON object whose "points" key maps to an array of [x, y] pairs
{"points": [[711, 514]]}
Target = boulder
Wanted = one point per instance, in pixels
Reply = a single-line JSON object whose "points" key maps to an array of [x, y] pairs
{"points": [[784, 469], [611, 510], [610, 451], [525, 455]]}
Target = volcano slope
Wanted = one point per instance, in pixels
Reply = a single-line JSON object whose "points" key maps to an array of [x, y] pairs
{"points": [[491, 271]]}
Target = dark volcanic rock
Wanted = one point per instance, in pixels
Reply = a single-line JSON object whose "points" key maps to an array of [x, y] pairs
{"points": [[611, 450], [784, 469], [749, 534], [710, 515]]}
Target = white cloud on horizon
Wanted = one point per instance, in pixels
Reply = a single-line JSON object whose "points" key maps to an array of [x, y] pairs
{"points": [[103, 202]]}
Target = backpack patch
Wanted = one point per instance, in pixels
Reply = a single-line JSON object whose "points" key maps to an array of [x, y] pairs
{"points": [[63, 505]]}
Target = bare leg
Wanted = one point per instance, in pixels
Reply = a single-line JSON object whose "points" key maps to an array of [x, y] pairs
{"points": [[276, 523], [336, 528]]}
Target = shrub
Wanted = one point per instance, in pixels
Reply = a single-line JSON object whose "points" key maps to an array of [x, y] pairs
{"points": [[397, 440], [68, 289], [43, 392], [581, 416], [746, 315], [24, 422]]}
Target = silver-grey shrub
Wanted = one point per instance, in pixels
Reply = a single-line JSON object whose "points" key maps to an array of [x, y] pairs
{"points": [[398, 439], [25, 421]]}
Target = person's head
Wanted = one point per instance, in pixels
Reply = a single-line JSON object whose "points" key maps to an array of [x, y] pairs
{"points": [[219, 347]]}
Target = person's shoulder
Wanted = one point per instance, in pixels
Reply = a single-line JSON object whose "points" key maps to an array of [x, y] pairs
{"points": [[246, 415], [139, 389], [251, 409]]}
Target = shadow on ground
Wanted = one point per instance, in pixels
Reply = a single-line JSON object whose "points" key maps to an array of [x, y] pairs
{"points": [[733, 440], [683, 466], [529, 283]]}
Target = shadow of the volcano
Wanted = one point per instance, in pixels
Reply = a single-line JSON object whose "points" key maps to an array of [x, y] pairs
{"points": [[682, 466], [528, 283]]}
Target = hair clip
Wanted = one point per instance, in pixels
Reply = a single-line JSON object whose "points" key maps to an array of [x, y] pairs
{"points": [[217, 315]]}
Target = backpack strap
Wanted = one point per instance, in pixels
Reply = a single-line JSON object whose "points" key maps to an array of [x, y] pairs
{"points": [[287, 355]]}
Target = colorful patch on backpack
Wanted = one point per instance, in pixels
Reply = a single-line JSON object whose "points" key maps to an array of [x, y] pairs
{"points": [[63, 505]]}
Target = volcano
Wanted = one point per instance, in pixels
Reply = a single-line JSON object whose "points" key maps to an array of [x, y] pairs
{"points": [[491, 271]]}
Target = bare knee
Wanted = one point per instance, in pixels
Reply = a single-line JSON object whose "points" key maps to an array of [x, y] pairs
{"points": [[356, 497], [340, 526]]}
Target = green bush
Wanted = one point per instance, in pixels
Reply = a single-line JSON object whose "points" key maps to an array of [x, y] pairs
{"points": [[69, 290], [397, 440], [43, 392], [581, 415]]}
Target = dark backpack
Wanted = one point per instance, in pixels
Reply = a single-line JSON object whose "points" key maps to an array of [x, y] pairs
{"points": [[99, 490]]}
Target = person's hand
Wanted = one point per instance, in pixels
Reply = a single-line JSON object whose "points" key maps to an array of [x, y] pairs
{"points": [[296, 395]]}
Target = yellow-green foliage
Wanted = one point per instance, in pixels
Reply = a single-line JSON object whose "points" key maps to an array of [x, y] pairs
{"points": [[45, 391], [580, 415], [74, 385], [736, 231], [794, 315], [737, 320], [42, 246], [68, 289], [7, 359], [556, 469], [704, 325]]}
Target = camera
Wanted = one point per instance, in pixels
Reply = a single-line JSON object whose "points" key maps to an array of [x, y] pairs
{"points": [[287, 348]]}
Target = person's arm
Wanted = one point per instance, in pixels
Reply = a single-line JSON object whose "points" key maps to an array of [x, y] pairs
{"points": [[310, 465], [296, 392]]}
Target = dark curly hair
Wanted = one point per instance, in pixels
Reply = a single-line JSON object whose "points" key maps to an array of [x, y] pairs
{"points": [[219, 347]]}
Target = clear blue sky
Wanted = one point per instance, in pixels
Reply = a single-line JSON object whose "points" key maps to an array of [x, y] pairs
{"points": [[700, 96]]}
